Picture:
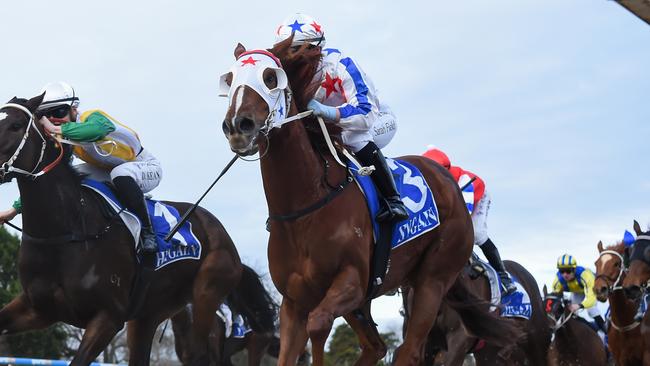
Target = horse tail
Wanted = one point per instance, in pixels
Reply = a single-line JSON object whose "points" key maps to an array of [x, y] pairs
{"points": [[251, 299], [479, 320]]}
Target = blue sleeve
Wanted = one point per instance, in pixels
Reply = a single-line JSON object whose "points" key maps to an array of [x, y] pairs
{"points": [[356, 91]]}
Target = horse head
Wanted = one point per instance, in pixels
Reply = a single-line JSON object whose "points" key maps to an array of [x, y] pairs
{"points": [[554, 305], [20, 135], [258, 92], [610, 270], [639, 271]]}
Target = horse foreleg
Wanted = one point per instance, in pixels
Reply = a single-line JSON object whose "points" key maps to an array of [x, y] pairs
{"points": [[139, 338], [293, 333], [100, 330], [344, 295], [373, 347], [20, 316], [256, 347], [217, 277], [458, 343], [426, 302]]}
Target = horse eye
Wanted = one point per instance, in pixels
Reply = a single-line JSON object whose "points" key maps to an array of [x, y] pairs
{"points": [[270, 79], [16, 126]]}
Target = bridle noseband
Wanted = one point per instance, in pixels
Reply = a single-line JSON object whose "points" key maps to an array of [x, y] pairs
{"points": [[8, 166]]}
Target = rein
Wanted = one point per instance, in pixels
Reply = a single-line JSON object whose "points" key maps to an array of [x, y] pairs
{"points": [[8, 166]]}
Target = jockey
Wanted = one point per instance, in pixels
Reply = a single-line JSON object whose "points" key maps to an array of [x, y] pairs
{"points": [[478, 208], [348, 97], [106, 146], [579, 281]]}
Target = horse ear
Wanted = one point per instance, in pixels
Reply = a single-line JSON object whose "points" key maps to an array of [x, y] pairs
{"points": [[33, 103], [239, 50], [545, 290], [600, 246], [637, 228]]}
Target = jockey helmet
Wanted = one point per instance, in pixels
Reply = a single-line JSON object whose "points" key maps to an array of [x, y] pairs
{"points": [[438, 156], [59, 98], [304, 28], [566, 261]]}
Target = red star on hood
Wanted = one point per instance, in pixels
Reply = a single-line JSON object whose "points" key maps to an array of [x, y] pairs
{"points": [[249, 61], [330, 84]]}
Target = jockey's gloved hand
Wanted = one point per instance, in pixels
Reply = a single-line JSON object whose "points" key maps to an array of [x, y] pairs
{"points": [[322, 110]]}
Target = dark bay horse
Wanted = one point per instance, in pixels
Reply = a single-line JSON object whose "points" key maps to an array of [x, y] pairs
{"points": [[449, 335], [77, 264], [257, 307], [636, 281], [321, 236], [624, 337], [574, 342]]}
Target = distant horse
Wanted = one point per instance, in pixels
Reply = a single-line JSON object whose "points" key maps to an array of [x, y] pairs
{"points": [[574, 342], [624, 335], [77, 262], [636, 281], [258, 309], [321, 237], [450, 335]]}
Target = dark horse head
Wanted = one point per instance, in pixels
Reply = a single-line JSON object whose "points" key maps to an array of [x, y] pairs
{"points": [[554, 306], [638, 275], [77, 262], [18, 128]]}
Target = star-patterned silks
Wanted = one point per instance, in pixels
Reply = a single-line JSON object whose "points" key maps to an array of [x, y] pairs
{"points": [[330, 84], [296, 27], [249, 61]]}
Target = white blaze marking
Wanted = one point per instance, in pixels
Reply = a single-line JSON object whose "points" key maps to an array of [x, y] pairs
{"points": [[3, 115], [239, 98], [606, 258]]}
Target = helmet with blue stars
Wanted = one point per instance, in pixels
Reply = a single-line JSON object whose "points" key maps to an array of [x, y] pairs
{"points": [[304, 28], [566, 261]]}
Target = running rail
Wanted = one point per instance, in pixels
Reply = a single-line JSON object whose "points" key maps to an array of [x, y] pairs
{"points": [[36, 361]]}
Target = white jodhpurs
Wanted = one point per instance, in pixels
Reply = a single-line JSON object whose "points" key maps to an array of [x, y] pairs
{"points": [[577, 298], [479, 219], [145, 170]]}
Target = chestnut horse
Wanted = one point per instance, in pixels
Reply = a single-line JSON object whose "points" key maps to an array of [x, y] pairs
{"points": [[258, 309], [449, 334], [636, 281], [624, 334], [77, 262], [574, 342], [321, 235]]}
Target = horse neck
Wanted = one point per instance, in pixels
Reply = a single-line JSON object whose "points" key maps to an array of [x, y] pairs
{"points": [[622, 310], [292, 171], [50, 203]]}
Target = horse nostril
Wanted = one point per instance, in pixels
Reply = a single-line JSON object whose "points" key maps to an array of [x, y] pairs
{"points": [[225, 127], [246, 125]]}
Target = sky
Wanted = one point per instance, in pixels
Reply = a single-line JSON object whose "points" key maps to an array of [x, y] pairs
{"points": [[544, 100]]}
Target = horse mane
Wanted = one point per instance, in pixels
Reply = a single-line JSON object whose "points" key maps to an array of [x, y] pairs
{"points": [[302, 66], [618, 247]]}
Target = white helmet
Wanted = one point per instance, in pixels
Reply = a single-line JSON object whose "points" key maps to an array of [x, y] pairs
{"points": [[58, 94], [304, 28]]}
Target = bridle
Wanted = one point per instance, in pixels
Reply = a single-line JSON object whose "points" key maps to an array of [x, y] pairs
{"points": [[613, 285], [559, 322], [8, 166]]}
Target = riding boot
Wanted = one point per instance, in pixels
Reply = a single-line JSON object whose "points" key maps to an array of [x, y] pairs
{"points": [[600, 322], [492, 254], [133, 198], [394, 210]]}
